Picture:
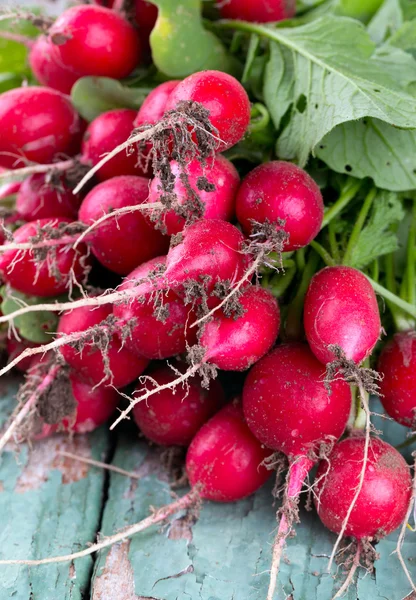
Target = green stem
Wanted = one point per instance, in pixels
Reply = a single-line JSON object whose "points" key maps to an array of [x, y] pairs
{"points": [[260, 117], [294, 326], [323, 253], [333, 243], [278, 284], [349, 192], [300, 259], [393, 298], [359, 224], [390, 274], [410, 275], [375, 271], [410, 440], [360, 414]]}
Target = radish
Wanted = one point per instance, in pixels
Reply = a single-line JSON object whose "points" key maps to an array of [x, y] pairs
{"points": [[94, 406], [103, 134], [210, 251], [289, 409], [154, 106], [231, 342], [234, 344], [225, 459], [384, 497], [39, 199], [37, 275], [397, 365], [47, 69], [93, 40], [14, 347], [261, 11], [225, 99], [281, 191], [173, 417], [100, 357], [383, 500], [207, 191], [154, 333], [37, 124], [123, 242], [341, 310]]}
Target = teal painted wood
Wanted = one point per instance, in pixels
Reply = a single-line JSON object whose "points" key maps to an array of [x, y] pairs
{"points": [[49, 505], [226, 554]]}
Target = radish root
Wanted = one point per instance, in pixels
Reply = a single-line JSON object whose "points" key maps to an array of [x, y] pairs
{"points": [[402, 534], [350, 577], [189, 500], [297, 473]]}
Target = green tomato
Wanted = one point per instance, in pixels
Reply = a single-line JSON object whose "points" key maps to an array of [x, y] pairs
{"points": [[359, 9]]}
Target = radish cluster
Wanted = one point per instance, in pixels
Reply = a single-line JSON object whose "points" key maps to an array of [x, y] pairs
{"points": [[166, 263]]}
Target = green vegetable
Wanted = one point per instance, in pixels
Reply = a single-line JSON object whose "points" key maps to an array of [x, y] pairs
{"points": [[358, 9], [92, 96], [180, 44], [34, 327], [371, 148], [317, 79]]}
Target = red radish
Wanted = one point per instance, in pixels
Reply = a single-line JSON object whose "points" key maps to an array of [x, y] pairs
{"points": [[95, 405], [93, 40], [48, 276], [217, 203], [341, 309], [260, 11], [47, 70], [14, 347], [173, 417], [281, 190], [287, 405], [39, 199], [225, 99], [145, 16], [111, 363], [124, 242], [288, 408], [397, 365], [154, 106], [225, 458], [37, 124], [152, 337], [210, 251], [234, 344], [101, 137], [382, 503]]}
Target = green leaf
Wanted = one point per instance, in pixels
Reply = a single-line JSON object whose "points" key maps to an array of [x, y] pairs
{"points": [[376, 238], [13, 55], [92, 96], [9, 81], [36, 326], [386, 21], [371, 148], [327, 73], [405, 38]]}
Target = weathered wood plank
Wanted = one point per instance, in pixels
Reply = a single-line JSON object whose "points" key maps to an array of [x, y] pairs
{"points": [[226, 554], [48, 505]]}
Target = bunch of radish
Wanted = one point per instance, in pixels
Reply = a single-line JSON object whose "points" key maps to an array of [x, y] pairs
{"points": [[151, 245]]}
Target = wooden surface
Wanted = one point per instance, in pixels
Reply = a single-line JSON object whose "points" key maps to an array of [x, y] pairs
{"points": [[50, 505]]}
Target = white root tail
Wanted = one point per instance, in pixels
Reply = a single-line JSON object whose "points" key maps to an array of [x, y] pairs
{"points": [[99, 464], [364, 401], [158, 516], [351, 574], [400, 541], [167, 386], [17, 419]]}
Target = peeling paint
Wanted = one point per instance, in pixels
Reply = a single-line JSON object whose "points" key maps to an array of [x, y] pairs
{"points": [[116, 581], [44, 458]]}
